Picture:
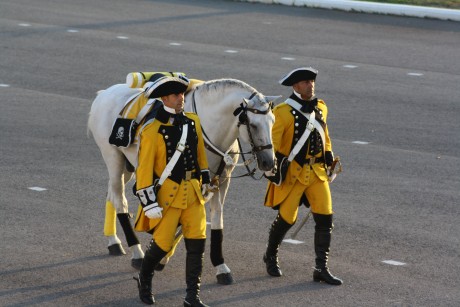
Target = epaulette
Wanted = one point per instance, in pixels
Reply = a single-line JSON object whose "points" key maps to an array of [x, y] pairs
{"points": [[281, 105], [191, 115]]}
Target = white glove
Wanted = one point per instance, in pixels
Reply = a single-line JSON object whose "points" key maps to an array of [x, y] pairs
{"points": [[153, 211], [331, 176], [206, 191], [270, 173]]}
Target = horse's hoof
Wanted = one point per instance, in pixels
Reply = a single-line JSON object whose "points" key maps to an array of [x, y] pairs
{"points": [[225, 279], [137, 263], [116, 250]]}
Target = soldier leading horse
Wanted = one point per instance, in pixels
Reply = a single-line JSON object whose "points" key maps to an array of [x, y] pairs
{"points": [[228, 109]]}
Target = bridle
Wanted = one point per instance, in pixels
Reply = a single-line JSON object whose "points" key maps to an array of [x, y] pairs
{"points": [[227, 160], [242, 113]]}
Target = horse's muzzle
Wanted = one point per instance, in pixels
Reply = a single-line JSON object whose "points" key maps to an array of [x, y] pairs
{"points": [[265, 158]]}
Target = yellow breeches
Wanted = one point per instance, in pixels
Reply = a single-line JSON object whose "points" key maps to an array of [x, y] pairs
{"points": [[110, 222], [318, 195], [192, 219]]}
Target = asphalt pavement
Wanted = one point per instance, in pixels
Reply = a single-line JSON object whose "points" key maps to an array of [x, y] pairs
{"points": [[391, 87]]}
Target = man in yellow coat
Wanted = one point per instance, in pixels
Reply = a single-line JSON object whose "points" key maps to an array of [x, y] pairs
{"points": [[172, 170], [300, 122]]}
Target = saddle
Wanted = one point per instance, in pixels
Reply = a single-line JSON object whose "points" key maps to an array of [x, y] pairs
{"points": [[138, 108], [132, 115]]}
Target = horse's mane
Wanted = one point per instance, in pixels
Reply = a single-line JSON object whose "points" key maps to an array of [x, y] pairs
{"points": [[224, 84]]}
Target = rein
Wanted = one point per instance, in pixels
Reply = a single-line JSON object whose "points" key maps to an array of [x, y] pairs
{"points": [[226, 157]]}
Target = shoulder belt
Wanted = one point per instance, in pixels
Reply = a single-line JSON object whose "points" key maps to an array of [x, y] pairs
{"points": [[311, 125], [179, 149]]}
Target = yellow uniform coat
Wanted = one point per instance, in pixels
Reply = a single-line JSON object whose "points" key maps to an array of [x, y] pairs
{"points": [[283, 135], [152, 159]]}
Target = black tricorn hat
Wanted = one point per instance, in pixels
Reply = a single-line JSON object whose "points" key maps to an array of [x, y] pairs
{"points": [[161, 85], [299, 74]]}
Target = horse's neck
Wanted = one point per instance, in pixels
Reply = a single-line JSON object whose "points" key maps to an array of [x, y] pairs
{"points": [[217, 120], [221, 128]]}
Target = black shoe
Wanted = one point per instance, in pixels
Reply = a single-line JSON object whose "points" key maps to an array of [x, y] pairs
{"points": [[326, 276], [145, 291], [194, 303], [273, 267]]}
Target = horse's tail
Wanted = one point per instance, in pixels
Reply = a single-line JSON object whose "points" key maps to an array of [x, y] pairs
{"points": [[88, 129], [89, 133]]}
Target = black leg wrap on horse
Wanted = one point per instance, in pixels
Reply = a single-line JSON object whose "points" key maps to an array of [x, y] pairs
{"points": [[323, 230], [130, 235], [193, 269], [153, 255], [216, 247], [278, 230]]}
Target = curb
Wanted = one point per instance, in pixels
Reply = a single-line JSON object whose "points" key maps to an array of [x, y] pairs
{"points": [[372, 7]]}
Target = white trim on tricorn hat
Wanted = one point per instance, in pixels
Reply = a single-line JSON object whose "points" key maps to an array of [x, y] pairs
{"points": [[162, 85], [299, 74]]}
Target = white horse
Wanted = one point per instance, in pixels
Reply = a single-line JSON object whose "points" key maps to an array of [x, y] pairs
{"points": [[228, 109]]}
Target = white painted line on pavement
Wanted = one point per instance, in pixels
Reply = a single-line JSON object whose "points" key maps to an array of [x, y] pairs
{"points": [[414, 74], [350, 66], [231, 51], [372, 7], [288, 59], [360, 142], [72, 31], [175, 44], [4, 85], [292, 241], [37, 189], [122, 37], [393, 262], [24, 25]]}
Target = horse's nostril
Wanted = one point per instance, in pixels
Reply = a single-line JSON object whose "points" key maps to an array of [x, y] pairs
{"points": [[266, 165]]}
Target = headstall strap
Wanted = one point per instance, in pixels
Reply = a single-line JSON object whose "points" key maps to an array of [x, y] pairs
{"points": [[241, 111]]}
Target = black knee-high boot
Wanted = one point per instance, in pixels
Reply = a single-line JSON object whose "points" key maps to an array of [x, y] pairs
{"points": [[278, 230], [152, 256], [193, 269], [323, 230]]}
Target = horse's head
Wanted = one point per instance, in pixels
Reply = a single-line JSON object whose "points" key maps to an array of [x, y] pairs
{"points": [[255, 127]]}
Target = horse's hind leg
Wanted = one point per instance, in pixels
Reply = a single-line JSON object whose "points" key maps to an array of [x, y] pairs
{"points": [[118, 177], [110, 230]]}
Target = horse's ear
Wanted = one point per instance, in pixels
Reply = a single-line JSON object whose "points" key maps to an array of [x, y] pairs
{"points": [[273, 98]]}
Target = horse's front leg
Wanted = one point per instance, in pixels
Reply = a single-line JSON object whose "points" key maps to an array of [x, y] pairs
{"points": [[223, 275], [131, 238]]}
